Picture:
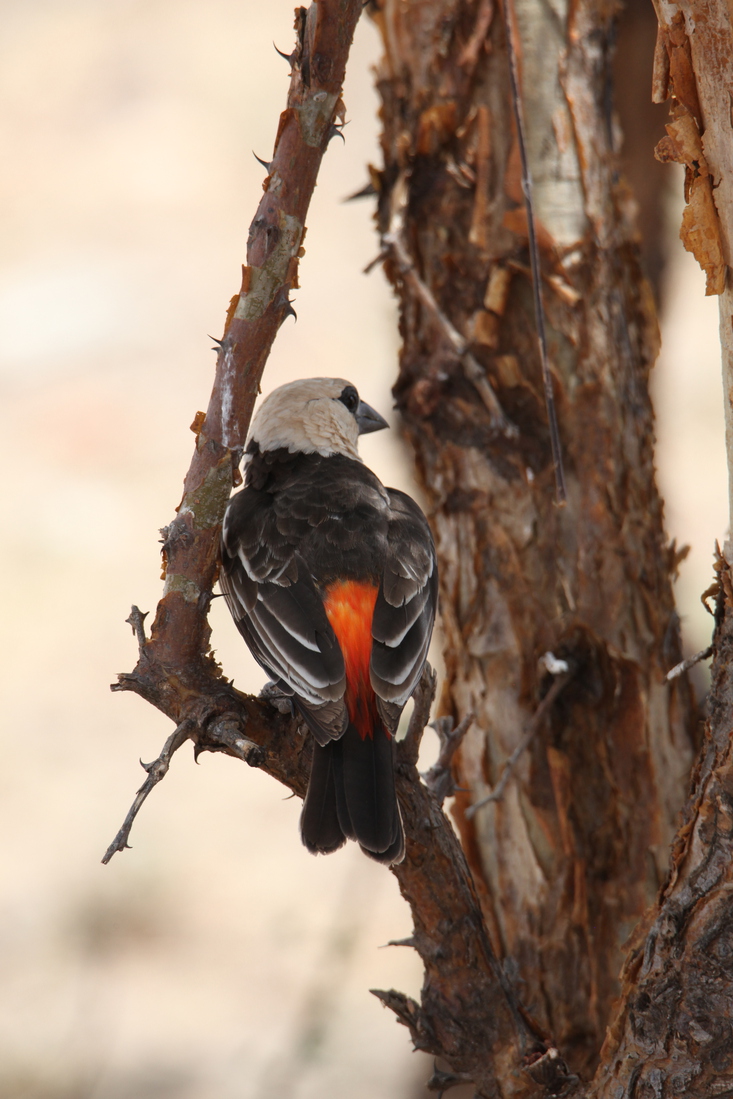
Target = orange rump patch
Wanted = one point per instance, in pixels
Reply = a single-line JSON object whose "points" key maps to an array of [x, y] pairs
{"points": [[349, 606]]}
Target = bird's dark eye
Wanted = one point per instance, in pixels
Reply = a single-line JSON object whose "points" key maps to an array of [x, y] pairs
{"points": [[350, 398]]}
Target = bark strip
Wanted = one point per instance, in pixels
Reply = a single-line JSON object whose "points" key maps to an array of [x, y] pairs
{"points": [[571, 856], [672, 1033], [694, 71]]}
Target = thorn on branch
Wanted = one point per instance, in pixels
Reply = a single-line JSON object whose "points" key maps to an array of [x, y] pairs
{"points": [[283, 302], [265, 163], [411, 941], [685, 665], [335, 130], [563, 674], [289, 57], [156, 771], [410, 1014], [367, 191], [439, 779]]}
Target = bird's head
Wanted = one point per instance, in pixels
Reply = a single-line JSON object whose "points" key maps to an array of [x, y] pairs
{"points": [[314, 416]]}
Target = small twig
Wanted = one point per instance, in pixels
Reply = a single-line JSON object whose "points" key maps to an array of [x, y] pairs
{"points": [[534, 254], [136, 619], [499, 419], [685, 665], [443, 1081], [439, 779], [498, 792], [157, 770], [373, 263], [409, 747]]}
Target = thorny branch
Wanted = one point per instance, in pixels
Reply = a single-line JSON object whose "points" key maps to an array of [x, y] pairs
{"points": [[175, 671], [469, 1013], [156, 771]]}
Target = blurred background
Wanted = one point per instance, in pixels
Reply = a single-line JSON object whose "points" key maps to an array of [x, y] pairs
{"points": [[216, 958]]}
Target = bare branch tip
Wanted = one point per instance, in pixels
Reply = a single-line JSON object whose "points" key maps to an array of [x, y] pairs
{"points": [[375, 262], [156, 771], [690, 662], [136, 619]]}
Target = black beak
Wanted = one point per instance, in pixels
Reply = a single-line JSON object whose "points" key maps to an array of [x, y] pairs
{"points": [[368, 420]]}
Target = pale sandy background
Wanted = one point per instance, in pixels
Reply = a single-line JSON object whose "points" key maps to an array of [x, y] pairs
{"points": [[216, 960]]}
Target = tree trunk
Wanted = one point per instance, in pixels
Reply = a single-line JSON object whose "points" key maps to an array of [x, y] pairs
{"points": [[672, 1034], [575, 850], [559, 621]]}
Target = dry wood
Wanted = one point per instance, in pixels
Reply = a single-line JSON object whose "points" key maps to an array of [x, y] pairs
{"points": [[566, 862], [672, 1033], [469, 1013], [575, 851]]}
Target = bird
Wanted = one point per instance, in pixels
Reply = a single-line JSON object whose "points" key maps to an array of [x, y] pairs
{"points": [[332, 581]]}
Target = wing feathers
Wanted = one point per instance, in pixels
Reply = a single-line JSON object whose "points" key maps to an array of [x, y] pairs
{"points": [[302, 523], [404, 613]]}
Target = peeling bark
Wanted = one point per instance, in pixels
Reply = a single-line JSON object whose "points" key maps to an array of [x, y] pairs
{"points": [[694, 70], [672, 1034], [559, 623], [470, 1012], [575, 851]]}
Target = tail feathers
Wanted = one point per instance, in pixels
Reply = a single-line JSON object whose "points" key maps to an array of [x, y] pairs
{"points": [[319, 822], [352, 794], [367, 774]]}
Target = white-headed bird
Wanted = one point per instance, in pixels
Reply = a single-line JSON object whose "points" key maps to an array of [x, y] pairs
{"points": [[332, 581]]}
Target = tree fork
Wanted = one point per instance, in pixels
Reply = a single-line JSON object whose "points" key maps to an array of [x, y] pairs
{"points": [[470, 1013]]}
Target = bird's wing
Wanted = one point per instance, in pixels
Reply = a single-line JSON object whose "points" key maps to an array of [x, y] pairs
{"points": [[279, 612], [404, 613]]}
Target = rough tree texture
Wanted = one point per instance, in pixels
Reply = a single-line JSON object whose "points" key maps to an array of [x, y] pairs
{"points": [[567, 860], [673, 1035], [575, 851], [469, 1013]]}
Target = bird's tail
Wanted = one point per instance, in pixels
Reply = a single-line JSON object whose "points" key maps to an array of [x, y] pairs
{"points": [[351, 795]]}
